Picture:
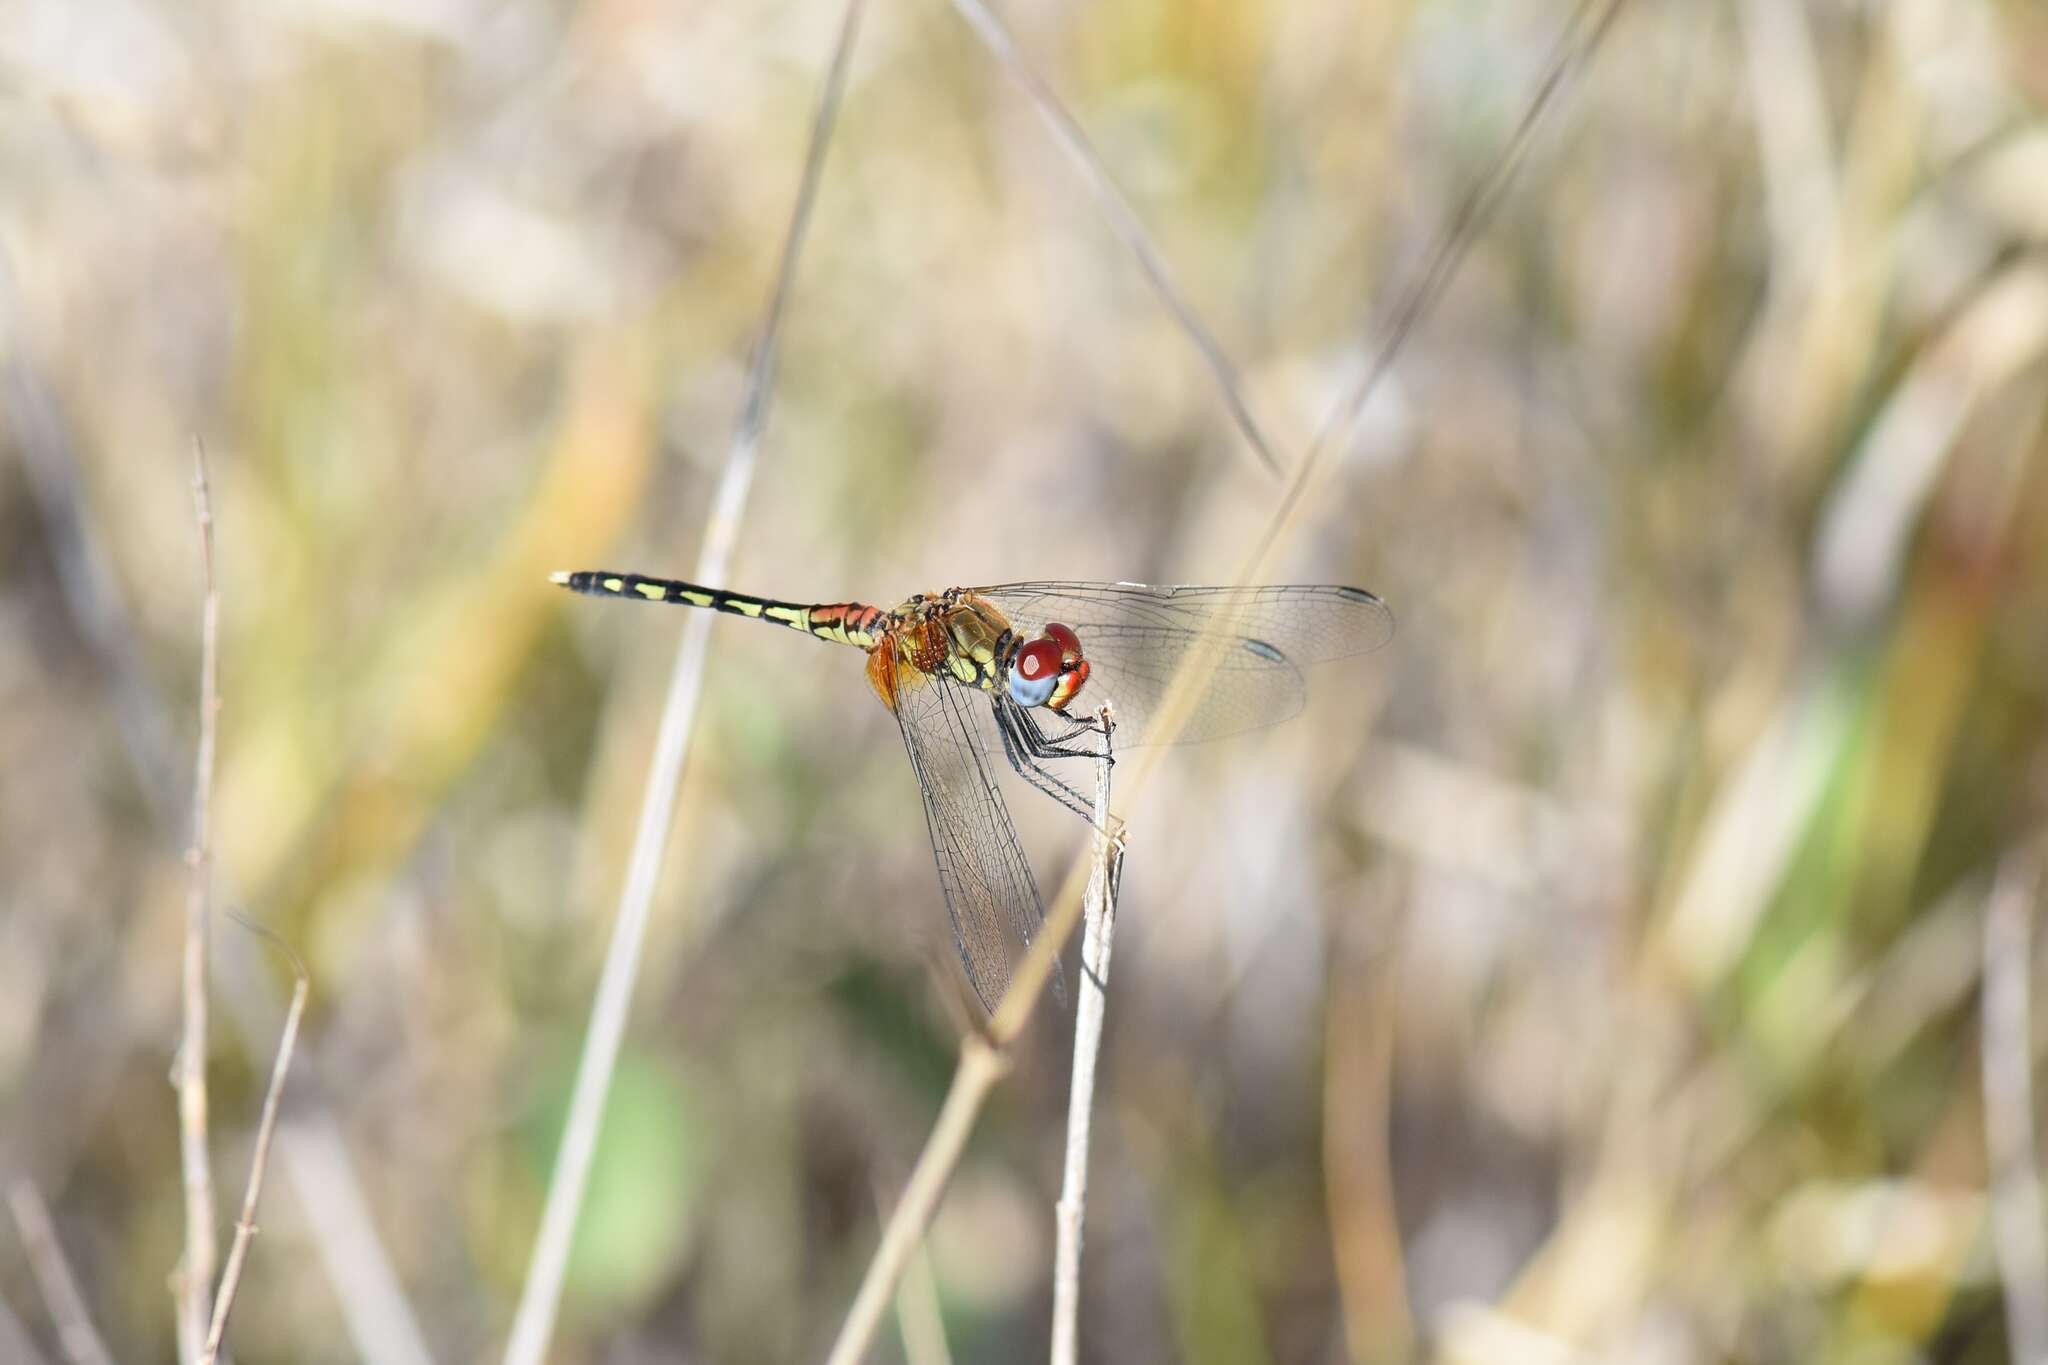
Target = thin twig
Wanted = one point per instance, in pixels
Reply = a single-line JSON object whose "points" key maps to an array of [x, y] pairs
{"points": [[533, 1324], [1098, 934], [1123, 219], [1576, 44], [1358, 1180], [380, 1321], [983, 1060], [1574, 48], [75, 1333], [195, 1277], [84, 574], [245, 1226], [1794, 140], [2017, 1210]]}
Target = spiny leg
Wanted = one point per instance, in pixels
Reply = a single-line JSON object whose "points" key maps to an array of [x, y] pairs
{"points": [[1032, 738], [1021, 760], [1039, 744], [1017, 747]]}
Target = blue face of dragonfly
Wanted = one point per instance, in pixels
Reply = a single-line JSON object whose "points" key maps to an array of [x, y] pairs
{"points": [[1029, 689], [1048, 670]]}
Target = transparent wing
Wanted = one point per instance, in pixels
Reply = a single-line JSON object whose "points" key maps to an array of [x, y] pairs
{"points": [[990, 892], [1136, 636]]}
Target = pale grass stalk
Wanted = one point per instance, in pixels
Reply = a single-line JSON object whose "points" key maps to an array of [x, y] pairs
{"points": [[85, 577], [1098, 935], [1358, 1180], [1123, 220], [533, 1322], [1574, 49], [194, 1280], [1587, 28], [983, 1061], [15, 1343], [2017, 1208], [1794, 137], [380, 1323], [1582, 37], [75, 1332], [245, 1226]]}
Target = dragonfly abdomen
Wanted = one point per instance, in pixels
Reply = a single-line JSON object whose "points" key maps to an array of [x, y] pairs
{"points": [[846, 623]]}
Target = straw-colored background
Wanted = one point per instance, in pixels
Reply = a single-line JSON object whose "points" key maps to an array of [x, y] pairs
{"points": [[1595, 970]]}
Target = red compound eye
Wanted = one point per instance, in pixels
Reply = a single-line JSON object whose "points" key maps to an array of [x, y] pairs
{"points": [[1064, 636], [1038, 659]]}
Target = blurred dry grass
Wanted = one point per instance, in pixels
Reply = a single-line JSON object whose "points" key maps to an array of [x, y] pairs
{"points": [[1592, 974]]}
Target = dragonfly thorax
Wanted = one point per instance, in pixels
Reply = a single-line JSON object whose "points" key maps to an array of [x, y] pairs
{"points": [[964, 638], [952, 636]]}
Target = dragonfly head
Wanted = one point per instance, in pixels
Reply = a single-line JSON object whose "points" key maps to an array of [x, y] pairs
{"points": [[1048, 670]]}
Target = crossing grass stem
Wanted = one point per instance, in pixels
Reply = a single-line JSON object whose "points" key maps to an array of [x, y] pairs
{"points": [[259, 1161], [2017, 1209], [984, 1060], [193, 1282], [534, 1320], [1098, 933], [77, 1336], [202, 1312]]}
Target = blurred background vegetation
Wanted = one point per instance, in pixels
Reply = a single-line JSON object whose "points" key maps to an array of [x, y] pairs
{"points": [[1593, 974]]}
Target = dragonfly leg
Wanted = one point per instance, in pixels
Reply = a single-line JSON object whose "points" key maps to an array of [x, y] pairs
{"points": [[1039, 744], [1076, 727], [1017, 748]]}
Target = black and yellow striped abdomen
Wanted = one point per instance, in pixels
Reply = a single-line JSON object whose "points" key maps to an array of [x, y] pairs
{"points": [[846, 623]]}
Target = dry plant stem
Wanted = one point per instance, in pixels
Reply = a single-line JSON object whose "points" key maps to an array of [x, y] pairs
{"points": [[1358, 1180], [34, 422], [1581, 38], [82, 1344], [1575, 47], [245, 1226], [981, 1066], [1123, 219], [1098, 933], [983, 1060], [195, 1277], [1588, 26], [380, 1321], [15, 1342], [1027, 981], [2017, 1212], [533, 1324], [1794, 139]]}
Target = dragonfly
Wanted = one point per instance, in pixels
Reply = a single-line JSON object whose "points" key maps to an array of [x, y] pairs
{"points": [[1031, 665]]}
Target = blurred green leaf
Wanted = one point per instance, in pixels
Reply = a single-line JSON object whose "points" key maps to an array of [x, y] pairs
{"points": [[640, 1212]]}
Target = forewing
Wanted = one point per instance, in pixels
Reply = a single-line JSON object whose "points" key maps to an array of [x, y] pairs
{"points": [[1137, 636], [991, 895]]}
